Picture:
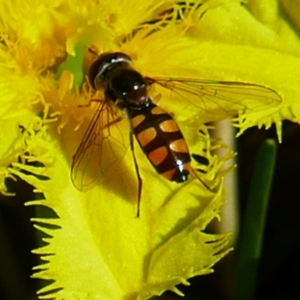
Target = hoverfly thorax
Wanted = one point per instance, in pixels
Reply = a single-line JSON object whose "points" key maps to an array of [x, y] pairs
{"points": [[129, 87]]}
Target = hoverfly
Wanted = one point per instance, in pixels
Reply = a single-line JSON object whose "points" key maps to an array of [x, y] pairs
{"points": [[155, 130]]}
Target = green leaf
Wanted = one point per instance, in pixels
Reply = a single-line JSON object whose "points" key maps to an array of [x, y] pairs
{"points": [[254, 222]]}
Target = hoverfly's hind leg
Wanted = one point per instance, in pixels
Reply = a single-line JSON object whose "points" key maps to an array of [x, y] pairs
{"points": [[203, 161], [139, 178], [199, 178]]}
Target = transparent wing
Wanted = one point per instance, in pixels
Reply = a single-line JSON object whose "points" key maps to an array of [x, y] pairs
{"points": [[220, 97], [103, 145]]}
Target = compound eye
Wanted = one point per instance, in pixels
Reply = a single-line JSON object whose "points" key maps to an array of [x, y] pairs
{"points": [[104, 63], [93, 72]]}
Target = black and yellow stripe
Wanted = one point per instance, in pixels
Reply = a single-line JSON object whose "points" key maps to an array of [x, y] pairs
{"points": [[161, 140]]}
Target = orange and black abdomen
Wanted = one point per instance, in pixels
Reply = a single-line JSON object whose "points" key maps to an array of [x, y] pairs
{"points": [[162, 141]]}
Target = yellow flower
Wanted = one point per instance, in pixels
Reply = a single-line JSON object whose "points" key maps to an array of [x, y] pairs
{"points": [[101, 250]]}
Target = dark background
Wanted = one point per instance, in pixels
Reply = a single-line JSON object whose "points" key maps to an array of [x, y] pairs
{"points": [[278, 276]]}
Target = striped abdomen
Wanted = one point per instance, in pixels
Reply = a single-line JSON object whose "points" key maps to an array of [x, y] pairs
{"points": [[162, 141]]}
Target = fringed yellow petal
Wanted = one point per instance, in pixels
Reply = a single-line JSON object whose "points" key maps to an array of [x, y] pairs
{"points": [[19, 96], [99, 237], [100, 250], [218, 49], [255, 42]]}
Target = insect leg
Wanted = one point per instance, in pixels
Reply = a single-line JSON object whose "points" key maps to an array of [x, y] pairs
{"points": [[198, 177], [91, 50], [140, 180]]}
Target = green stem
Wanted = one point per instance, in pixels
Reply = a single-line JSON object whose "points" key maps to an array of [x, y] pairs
{"points": [[252, 230]]}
